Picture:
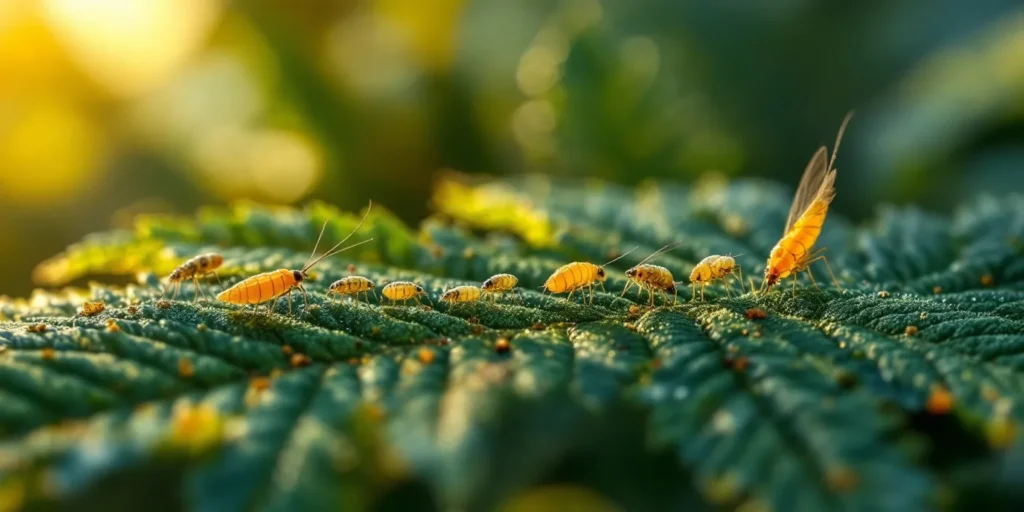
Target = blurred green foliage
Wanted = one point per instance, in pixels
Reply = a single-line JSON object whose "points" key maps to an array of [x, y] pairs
{"points": [[109, 108]]}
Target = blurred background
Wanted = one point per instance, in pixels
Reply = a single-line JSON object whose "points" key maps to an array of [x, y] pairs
{"points": [[113, 107]]}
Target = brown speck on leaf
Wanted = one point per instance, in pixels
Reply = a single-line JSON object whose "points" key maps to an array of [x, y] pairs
{"points": [[185, 368], [745, 332], [300, 360], [538, 326], [655, 363], [375, 330], [502, 345], [473, 320], [846, 380], [163, 304], [93, 308], [353, 361], [351, 268], [741, 364], [112, 325], [940, 401], [260, 383], [911, 330], [287, 350], [425, 355], [841, 479], [631, 326], [757, 334], [634, 310], [937, 290], [36, 328], [756, 314], [988, 280], [201, 327], [477, 329], [49, 354], [883, 294], [133, 310]]}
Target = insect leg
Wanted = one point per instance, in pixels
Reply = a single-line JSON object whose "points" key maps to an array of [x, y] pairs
{"points": [[740, 277], [305, 298], [219, 283], [177, 288], [829, 267], [811, 275], [796, 277], [195, 288], [626, 288], [725, 281], [375, 296], [702, 285], [289, 293]]}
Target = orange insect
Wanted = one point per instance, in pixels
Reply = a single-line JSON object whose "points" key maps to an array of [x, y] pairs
{"points": [[578, 275], [653, 278], [712, 268], [267, 286], [792, 254], [194, 268]]}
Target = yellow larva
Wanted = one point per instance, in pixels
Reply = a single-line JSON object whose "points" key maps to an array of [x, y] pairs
{"points": [[403, 291], [577, 276], [353, 285], [500, 284], [193, 269], [462, 294], [712, 268], [652, 277]]}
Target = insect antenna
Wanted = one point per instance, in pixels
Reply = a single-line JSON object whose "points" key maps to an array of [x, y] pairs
{"points": [[667, 247], [334, 250], [621, 256], [839, 138]]}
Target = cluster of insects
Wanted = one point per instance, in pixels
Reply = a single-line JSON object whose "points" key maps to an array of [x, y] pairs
{"points": [[792, 255]]}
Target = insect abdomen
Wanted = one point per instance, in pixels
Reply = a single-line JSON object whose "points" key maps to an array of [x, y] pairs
{"points": [[400, 290], [572, 276], [462, 294], [502, 282], [793, 248], [350, 285], [259, 288]]}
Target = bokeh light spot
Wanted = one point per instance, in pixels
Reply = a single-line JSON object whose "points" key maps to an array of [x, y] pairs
{"points": [[48, 152], [128, 46]]}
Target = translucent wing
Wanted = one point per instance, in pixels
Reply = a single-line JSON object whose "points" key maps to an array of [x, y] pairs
{"points": [[818, 180], [811, 181]]}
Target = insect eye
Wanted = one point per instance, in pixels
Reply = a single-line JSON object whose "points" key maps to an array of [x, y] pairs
{"points": [[298, 275], [419, 288], [600, 272]]}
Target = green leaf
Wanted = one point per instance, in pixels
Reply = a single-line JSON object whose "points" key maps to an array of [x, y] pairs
{"points": [[884, 395]]}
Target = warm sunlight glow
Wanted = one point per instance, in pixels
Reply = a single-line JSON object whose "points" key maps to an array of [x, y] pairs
{"points": [[128, 46], [49, 150]]}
